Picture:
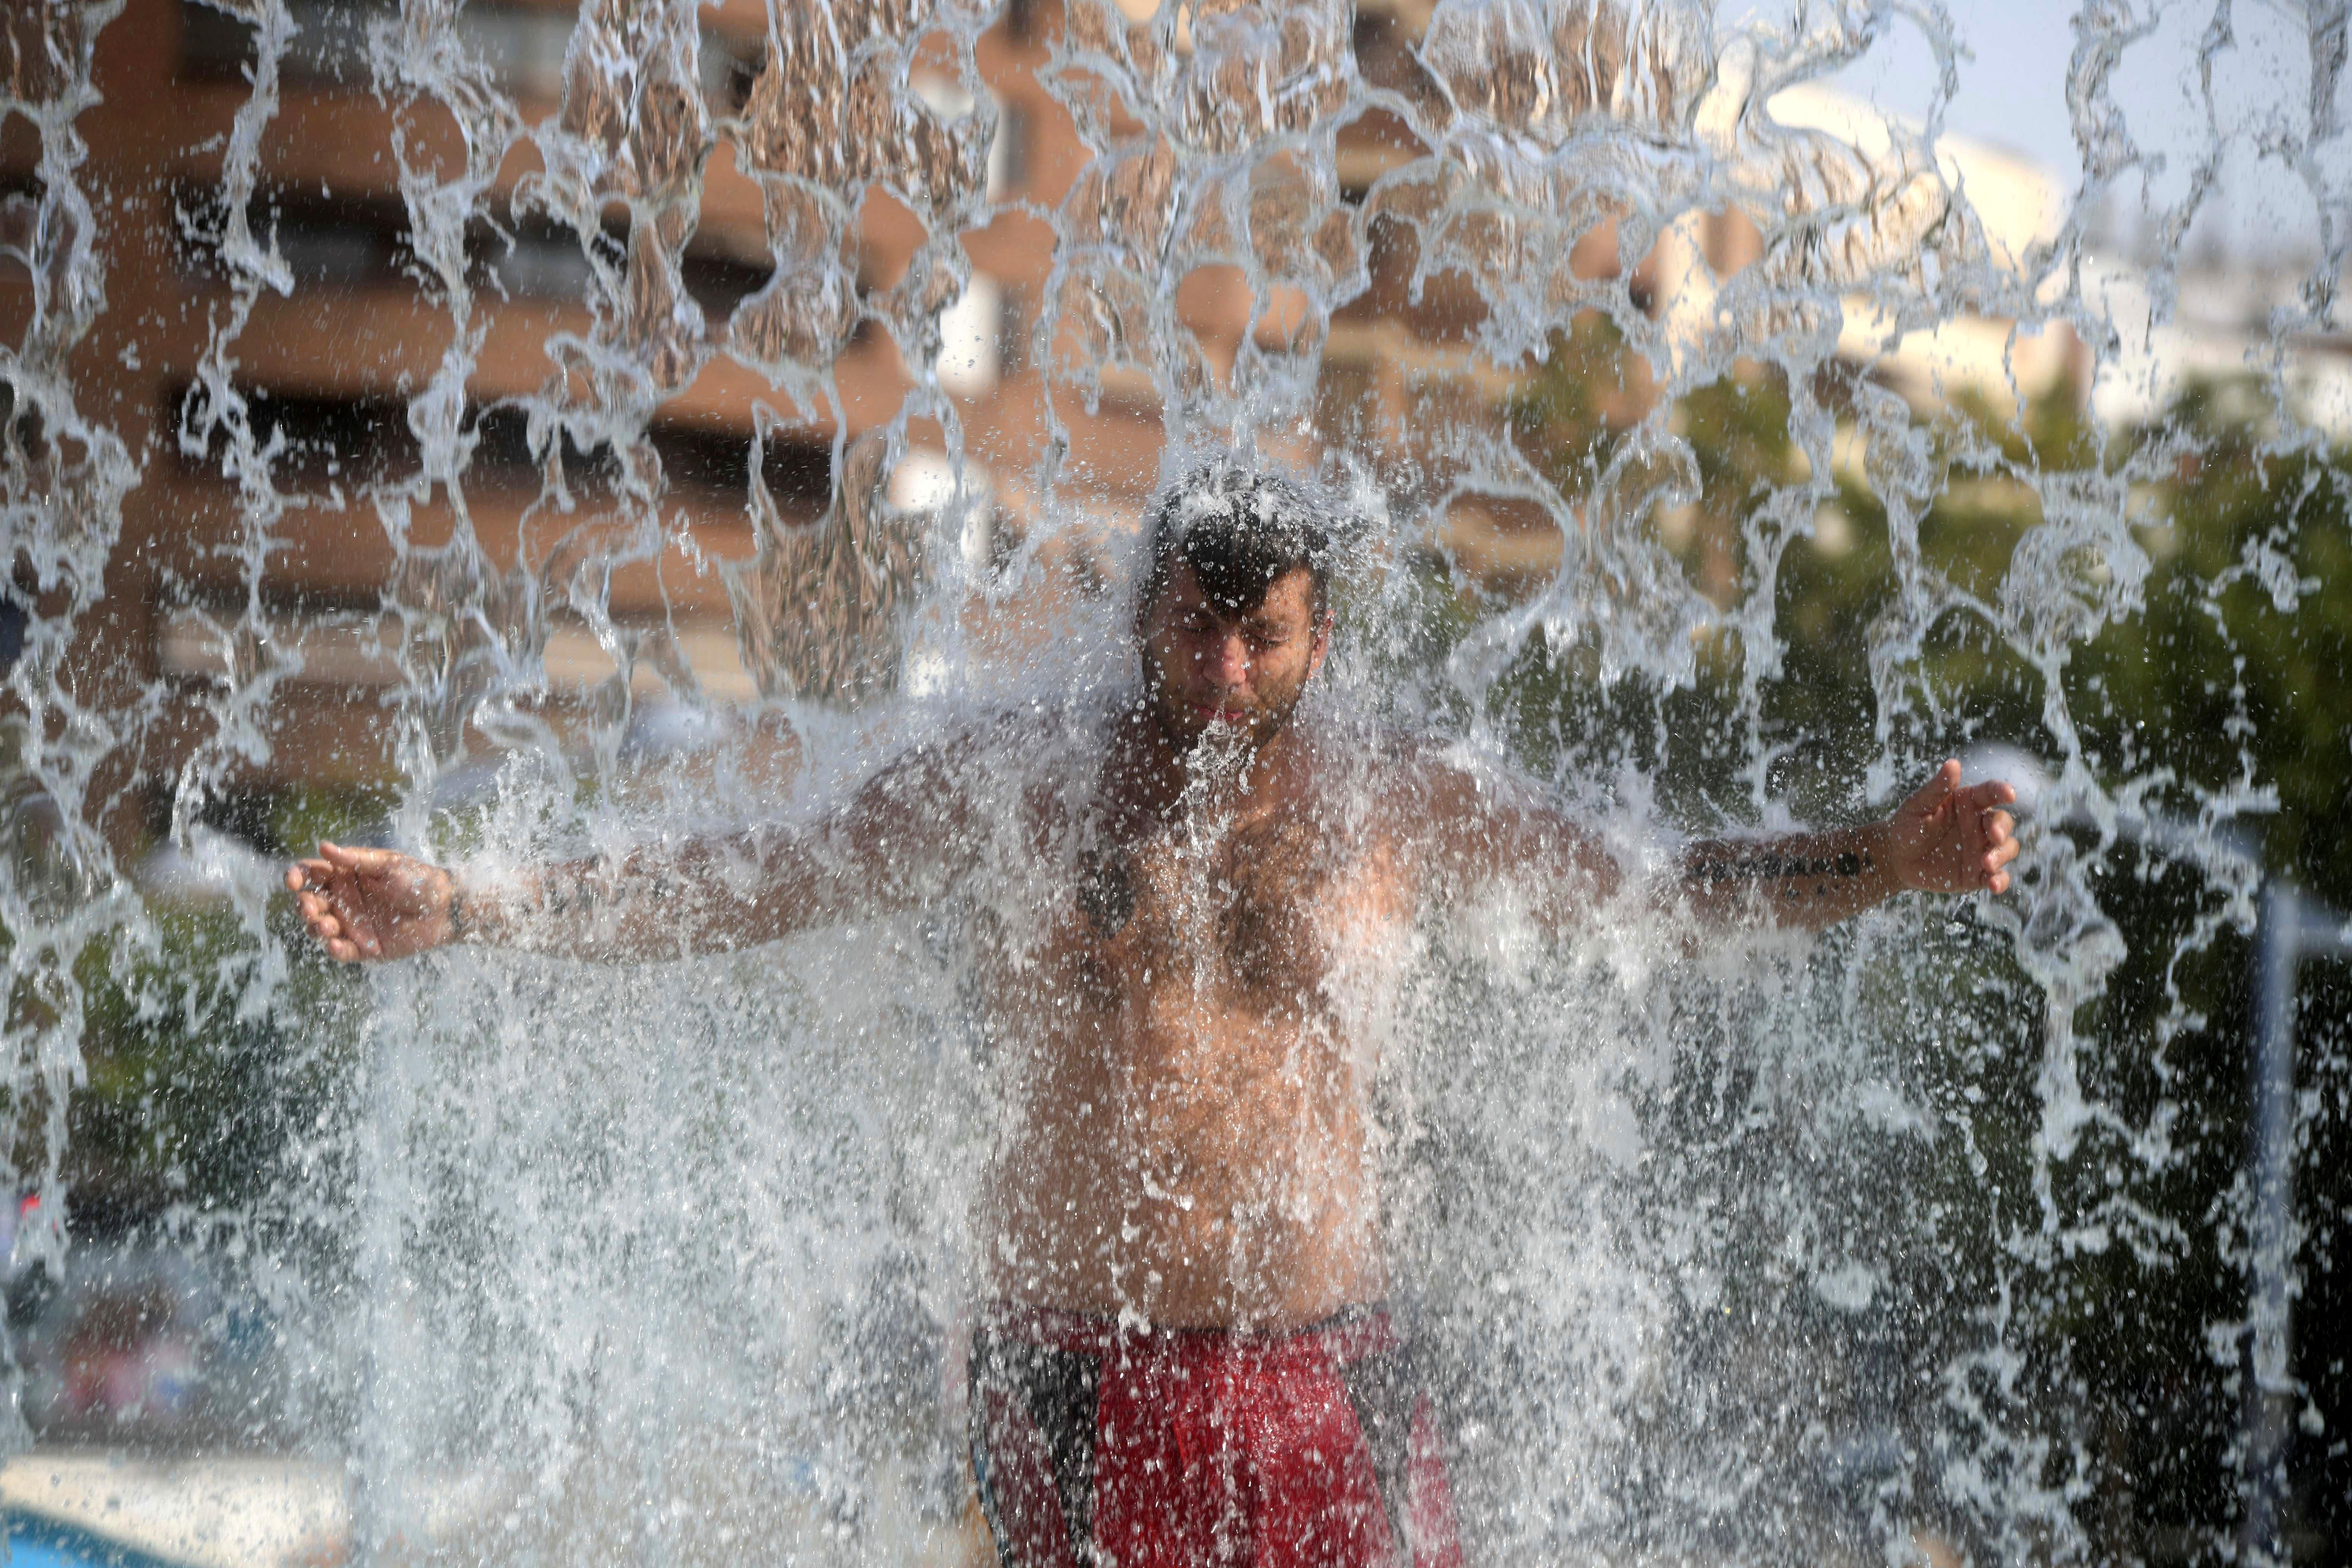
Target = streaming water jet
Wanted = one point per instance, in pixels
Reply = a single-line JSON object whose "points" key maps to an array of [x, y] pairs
{"points": [[555, 432]]}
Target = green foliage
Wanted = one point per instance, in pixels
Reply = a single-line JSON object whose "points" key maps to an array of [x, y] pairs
{"points": [[206, 1086], [2224, 678], [299, 818], [2235, 672], [210, 1084], [2227, 680]]}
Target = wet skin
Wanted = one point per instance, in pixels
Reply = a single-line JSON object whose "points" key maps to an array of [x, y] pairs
{"points": [[1190, 1137], [1192, 1141]]}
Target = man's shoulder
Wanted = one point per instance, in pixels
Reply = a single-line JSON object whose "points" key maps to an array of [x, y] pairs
{"points": [[999, 733], [1392, 750], [1029, 735], [1383, 763], [1012, 746], [1417, 779]]}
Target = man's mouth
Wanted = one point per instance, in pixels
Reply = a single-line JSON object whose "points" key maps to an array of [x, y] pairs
{"points": [[1212, 713]]}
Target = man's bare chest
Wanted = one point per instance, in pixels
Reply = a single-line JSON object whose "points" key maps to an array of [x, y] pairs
{"points": [[1242, 912]]}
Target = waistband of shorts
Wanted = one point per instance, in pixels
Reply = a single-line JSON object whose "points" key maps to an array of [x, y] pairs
{"points": [[1350, 1334]]}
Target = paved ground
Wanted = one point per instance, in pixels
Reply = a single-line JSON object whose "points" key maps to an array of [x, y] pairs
{"points": [[198, 1513]]}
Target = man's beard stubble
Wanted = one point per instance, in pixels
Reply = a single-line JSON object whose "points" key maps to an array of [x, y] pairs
{"points": [[1217, 750]]}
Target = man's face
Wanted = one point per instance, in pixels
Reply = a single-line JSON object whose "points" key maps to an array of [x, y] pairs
{"points": [[1211, 668]]}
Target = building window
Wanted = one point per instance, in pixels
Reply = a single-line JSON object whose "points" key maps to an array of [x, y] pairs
{"points": [[524, 45], [971, 336], [359, 650], [365, 440], [1008, 155]]}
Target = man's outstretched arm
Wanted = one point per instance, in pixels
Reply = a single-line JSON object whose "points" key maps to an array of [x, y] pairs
{"points": [[895, 842], [1945, 838]]}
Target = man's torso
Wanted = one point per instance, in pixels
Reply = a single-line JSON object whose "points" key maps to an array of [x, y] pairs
{"points": [[1192, 1140]]}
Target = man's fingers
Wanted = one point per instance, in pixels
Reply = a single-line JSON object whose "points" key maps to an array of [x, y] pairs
{"points": [[1986, 796], [312, 905], [367, 862], [2001, 847], [343, 938], [325, 893], [1938, 787]]}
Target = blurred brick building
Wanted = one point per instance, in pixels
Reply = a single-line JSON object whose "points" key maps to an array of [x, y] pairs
{"points": [[328, 365]]}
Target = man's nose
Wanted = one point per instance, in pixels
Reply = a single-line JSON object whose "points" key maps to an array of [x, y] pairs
{"points": [[1227, 660]]}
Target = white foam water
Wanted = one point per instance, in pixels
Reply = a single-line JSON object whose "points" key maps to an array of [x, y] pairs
{"points": [[1768, 1249]]}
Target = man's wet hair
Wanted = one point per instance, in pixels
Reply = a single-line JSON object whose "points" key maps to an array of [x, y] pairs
{"points": [[1241, 529]]}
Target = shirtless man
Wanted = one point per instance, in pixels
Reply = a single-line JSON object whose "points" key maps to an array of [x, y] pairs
{"points": [[1181, 1359]]}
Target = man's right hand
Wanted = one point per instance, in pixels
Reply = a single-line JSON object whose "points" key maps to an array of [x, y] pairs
{"points": [[372, 903]]}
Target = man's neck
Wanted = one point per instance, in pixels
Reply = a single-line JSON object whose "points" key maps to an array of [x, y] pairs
{"points": [[1158, 775]]}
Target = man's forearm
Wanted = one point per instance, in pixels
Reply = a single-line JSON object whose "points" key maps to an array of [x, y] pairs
{"points": [[1807, 880], [578, 909], [701, 897]]}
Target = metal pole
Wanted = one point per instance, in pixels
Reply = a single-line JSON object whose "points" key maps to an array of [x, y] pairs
{"points": [[2326, 933], [2278, 952]]}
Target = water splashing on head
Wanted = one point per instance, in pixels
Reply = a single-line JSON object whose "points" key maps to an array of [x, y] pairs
{"points": [[1234, 618]]}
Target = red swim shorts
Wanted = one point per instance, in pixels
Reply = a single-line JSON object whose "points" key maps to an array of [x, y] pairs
{"points": [[1098, 1446]]}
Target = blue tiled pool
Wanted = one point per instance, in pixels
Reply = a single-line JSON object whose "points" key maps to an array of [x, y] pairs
{"points": [[37, 1543]]}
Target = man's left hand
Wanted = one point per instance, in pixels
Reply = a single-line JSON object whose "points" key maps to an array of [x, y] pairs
{"points": [[1950, 839]]}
